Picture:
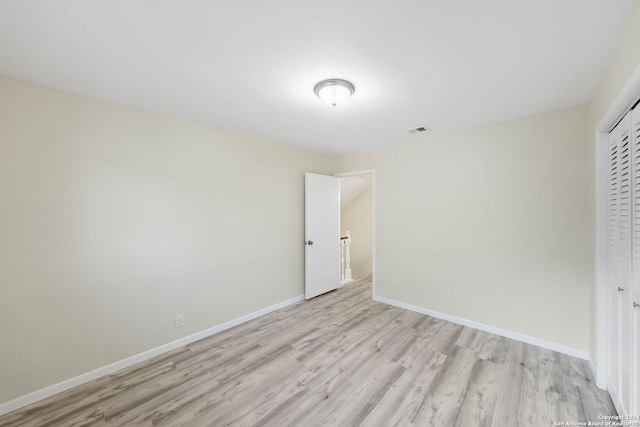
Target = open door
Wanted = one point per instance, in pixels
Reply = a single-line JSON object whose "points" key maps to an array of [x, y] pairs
{"points": [[322, 234]]}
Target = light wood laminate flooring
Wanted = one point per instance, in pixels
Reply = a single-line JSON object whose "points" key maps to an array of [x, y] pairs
{"points": [[340, 359]]}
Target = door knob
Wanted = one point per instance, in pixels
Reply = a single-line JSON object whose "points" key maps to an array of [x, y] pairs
{"points": [[635, 304], [309, 242], [620, 289]]}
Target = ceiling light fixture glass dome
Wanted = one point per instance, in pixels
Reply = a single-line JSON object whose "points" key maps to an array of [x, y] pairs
{"points": [[334, 91]]}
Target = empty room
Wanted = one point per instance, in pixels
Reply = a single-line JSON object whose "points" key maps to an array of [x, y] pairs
{"points": [[337, 213]]}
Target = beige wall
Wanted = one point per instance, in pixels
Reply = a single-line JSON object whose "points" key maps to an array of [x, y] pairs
{"points": [[357, 218], [625, 60], [498, 214], [115, 220]]}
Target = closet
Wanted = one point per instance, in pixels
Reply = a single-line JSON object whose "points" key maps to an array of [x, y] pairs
{"points": [[624, 263]]}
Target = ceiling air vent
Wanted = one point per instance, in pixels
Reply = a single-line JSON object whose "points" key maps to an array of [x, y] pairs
{"points": [[418, 130]]}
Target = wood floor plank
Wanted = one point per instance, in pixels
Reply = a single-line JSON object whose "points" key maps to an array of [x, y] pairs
{"points": [[479, 402], [164, 404], [448, 390], [404, 401], [278, 395], [340, 359], [92, 392], [240, 382], [96, 399], [291, 412]]}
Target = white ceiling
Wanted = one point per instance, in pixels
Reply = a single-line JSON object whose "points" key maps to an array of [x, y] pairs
{"points": [[250, 66]]}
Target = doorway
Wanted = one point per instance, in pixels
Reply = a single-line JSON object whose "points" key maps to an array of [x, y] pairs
{"points": [[357, 223], [323, 238]]}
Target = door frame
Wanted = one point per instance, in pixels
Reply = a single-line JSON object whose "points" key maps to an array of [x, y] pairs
{"points": [[626, 98], [371, 172]]}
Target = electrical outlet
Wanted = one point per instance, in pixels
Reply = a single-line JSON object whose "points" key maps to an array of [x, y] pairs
{"points": [[179, 320], [446, 293]]}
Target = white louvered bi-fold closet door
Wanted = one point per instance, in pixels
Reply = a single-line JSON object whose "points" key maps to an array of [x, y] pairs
{"points": [[633, 300], [621, 171]]}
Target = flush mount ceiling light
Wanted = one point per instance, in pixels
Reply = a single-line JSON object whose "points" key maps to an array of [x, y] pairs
{"points": [[334, 91]]}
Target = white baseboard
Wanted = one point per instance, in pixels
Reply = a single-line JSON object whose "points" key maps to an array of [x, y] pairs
{"points": [[49, 391], [561, 348]]}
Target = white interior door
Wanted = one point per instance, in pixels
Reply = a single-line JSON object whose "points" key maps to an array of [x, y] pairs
{"points": [[613, 250], [624, 142], [620, 229], [634, 294], [322, 234]]}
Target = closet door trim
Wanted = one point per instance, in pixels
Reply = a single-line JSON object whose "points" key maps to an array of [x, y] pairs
{"points": [[627, 97]]}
